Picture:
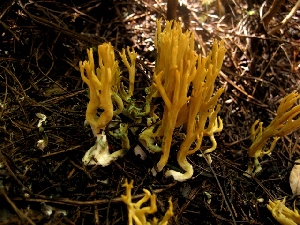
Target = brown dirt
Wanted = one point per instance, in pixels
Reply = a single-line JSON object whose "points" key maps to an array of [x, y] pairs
{"points": [[42, 43]]}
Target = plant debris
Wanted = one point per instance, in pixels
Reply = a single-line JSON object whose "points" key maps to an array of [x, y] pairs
{"points": [[42, 43]]}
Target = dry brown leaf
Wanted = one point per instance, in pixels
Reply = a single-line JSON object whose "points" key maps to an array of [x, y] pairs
{"points": [[295, 178]]}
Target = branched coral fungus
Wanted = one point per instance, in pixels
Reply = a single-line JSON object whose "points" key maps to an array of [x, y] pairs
{"points": [[182, 78], [282, 214], [286, 121], [103, 84], [178, 70], [137, 214], [201, 111], [131, 70], [174, 71]]}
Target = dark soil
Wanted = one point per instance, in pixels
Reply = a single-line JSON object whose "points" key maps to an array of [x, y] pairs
{"points": [[41, 44]]}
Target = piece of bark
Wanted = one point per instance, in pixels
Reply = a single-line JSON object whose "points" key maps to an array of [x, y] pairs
{"points": [[172, 9]]}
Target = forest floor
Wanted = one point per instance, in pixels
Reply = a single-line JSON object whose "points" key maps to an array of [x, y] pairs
{"points": [[42, 43]]}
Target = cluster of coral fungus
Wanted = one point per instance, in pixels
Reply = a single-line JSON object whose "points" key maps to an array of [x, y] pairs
{"points": [[185, 81], [179, 69]]}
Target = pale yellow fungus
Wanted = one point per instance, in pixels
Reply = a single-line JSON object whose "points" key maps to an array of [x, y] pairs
{"points": [[137, 214], [179, 69], [282, 214], [286, 121], [102, 81]]}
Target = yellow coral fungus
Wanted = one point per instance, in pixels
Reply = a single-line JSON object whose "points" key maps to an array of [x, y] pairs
{"points": [[136, 214], [202, 110], [131, 70], [182, 78], [179, 69], [174, 70], [286, 121], [282, 214], [101, 82]]}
